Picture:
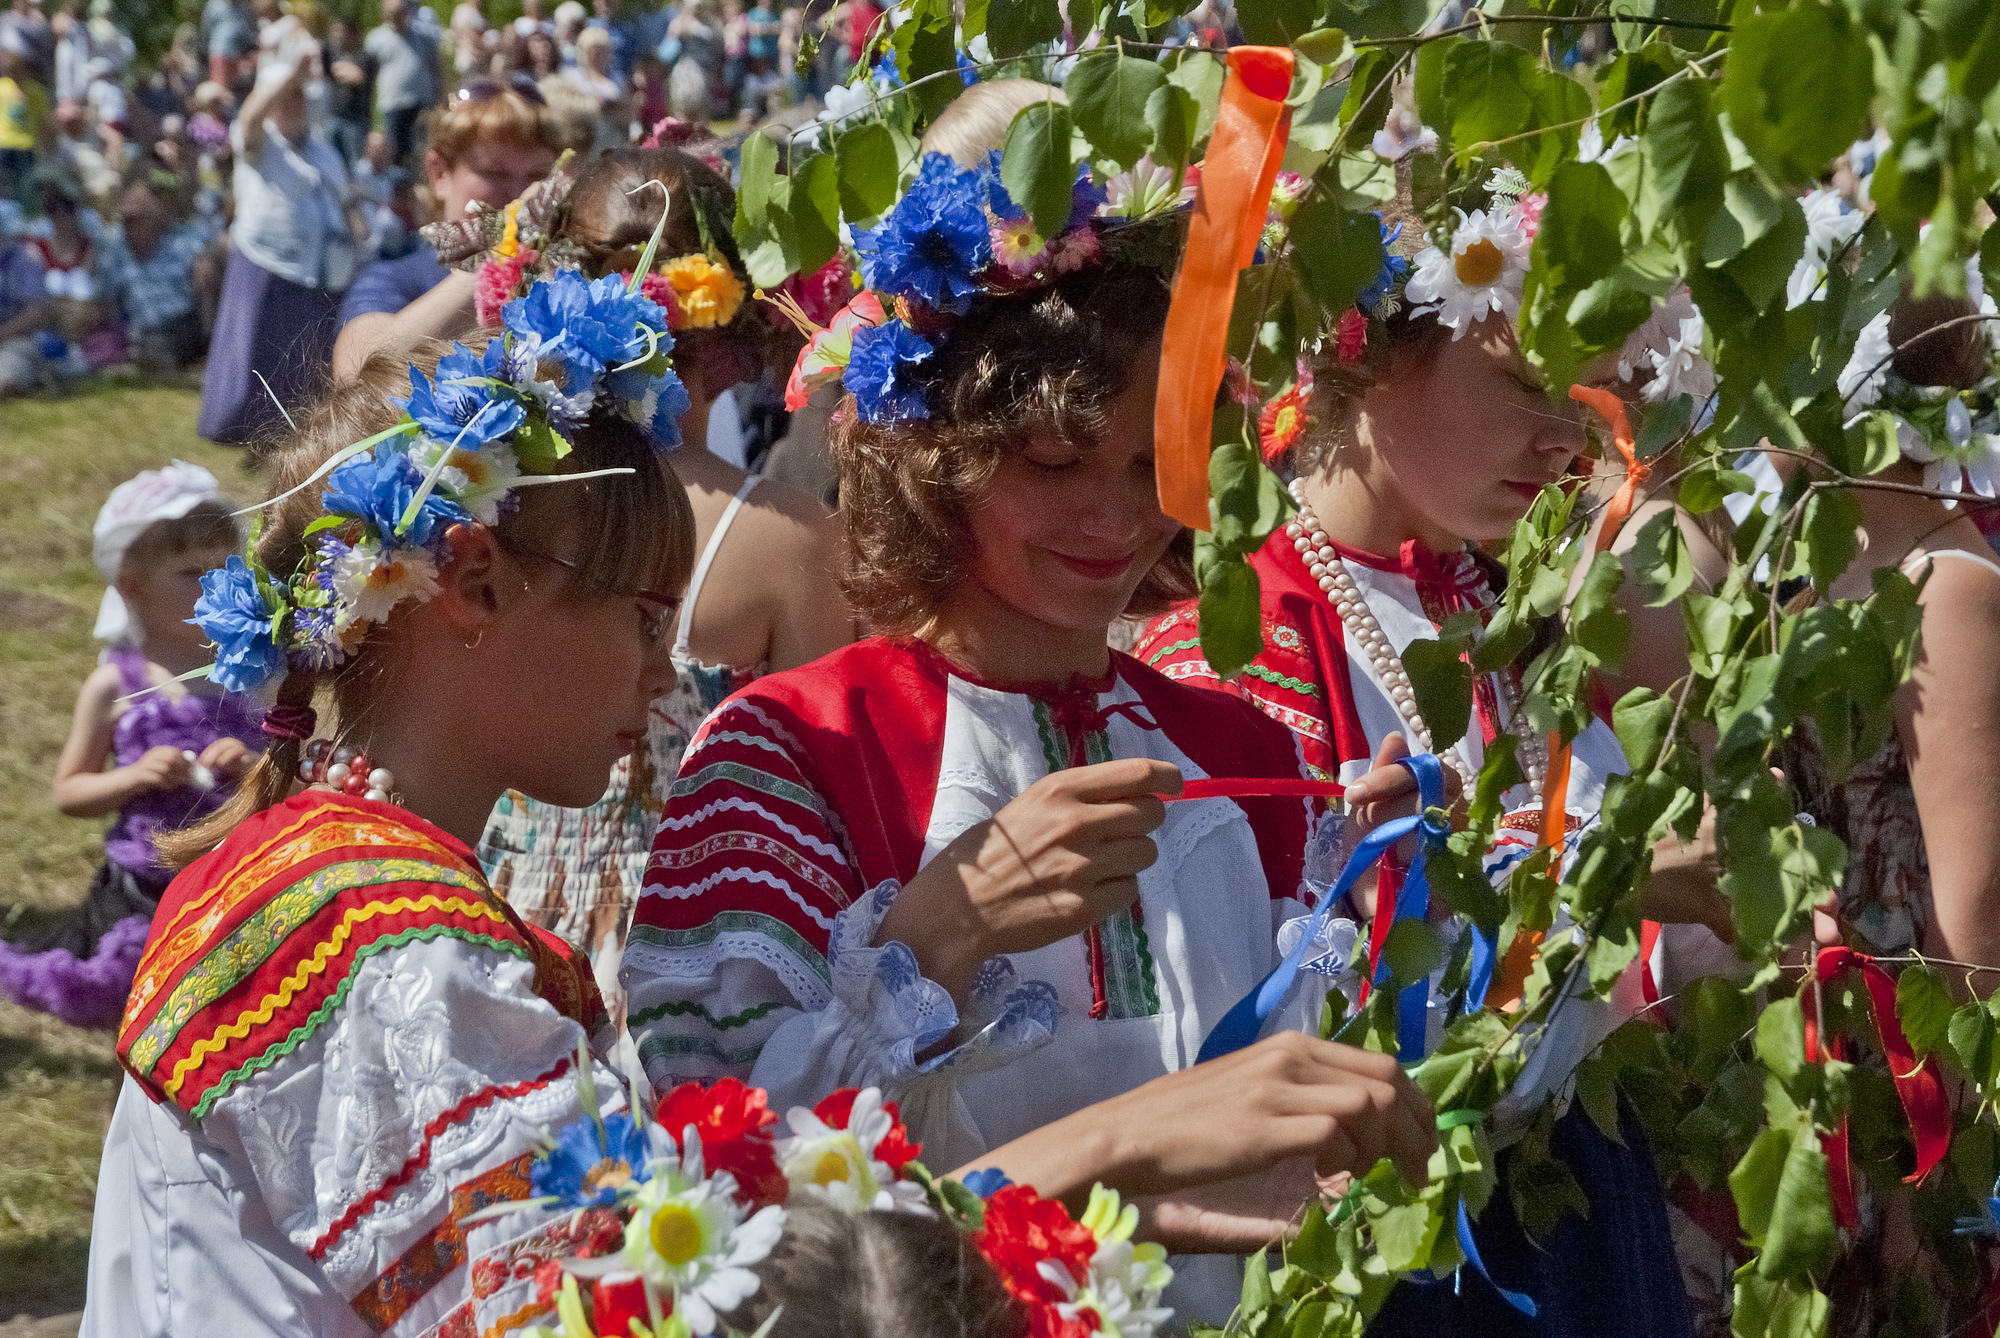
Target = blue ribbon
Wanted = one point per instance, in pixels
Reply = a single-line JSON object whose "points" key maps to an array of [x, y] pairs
{"points": [[1521, 1301], [1243, 1023]]}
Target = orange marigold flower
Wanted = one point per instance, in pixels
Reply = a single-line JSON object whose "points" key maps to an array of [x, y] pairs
{"points": [[709, 294]]}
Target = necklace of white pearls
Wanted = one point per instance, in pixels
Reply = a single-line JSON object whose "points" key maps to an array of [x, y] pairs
{"points": [[1325, 565]]}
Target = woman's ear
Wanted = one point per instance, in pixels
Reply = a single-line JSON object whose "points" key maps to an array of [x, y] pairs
{"points": [[471, 590]]}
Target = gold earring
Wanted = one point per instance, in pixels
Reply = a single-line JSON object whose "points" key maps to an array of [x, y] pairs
{"points": [[474, 643]]}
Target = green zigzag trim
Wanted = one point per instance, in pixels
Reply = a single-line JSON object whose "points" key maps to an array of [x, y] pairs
{"points": [[318, 1017], [670, 1009], [1165, 651], [657, 1045], [1282, 680]]}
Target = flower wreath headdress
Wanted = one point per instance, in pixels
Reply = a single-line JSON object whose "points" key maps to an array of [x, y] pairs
{"points": [[955, 235], [510, 248], [673, 1214], [487, 425], [1953, 433]]}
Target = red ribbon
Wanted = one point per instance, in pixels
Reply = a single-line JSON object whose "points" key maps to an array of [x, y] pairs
{"points": [[1918, 1085], [1251, 787]]}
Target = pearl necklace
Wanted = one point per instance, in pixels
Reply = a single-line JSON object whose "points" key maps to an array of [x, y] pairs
{"points": [[1326, 566]]}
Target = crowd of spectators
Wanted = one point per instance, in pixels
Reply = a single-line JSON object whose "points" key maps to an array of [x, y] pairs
{"points": [[243, 177]]}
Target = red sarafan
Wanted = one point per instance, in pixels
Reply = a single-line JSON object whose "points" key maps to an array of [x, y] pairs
{"points": [[895, 1150], [736, 1128]]}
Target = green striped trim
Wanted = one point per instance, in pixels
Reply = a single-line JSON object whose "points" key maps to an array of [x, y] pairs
{"points": [[743, 1019], [308, 1028], [253, 942], [1055, 748], [661, 1045], [761, 781], [734, 922], [1129, 984], [1282, 680], [1192, 643]]}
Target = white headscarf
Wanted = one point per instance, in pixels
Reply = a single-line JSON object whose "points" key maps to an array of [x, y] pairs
{"points": [[154, 496]]}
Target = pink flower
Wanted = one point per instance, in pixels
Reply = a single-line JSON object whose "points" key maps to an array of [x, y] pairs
{"points": [[1351, 336], [496, 283], [1529, 212], [824, 358]]}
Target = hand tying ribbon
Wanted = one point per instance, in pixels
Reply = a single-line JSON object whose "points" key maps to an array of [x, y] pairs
{"points": [[1242, 1023], [1918, 1085]]}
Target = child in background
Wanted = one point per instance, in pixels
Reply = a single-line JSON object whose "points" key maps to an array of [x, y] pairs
{"points": [[179, 750]]}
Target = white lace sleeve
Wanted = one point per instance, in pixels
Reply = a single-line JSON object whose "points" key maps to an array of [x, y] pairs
{"points": [[409, 1108], [882, 1014]]}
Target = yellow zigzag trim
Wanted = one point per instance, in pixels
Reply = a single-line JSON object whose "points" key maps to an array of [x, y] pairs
{"points": [[313, 965]]}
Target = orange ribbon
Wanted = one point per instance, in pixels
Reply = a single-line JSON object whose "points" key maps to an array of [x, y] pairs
{"points": [[1236, 179], [1512, 976]]}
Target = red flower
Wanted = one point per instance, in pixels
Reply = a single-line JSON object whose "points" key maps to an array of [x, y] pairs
{"points": [[548, 1281], [495, 283], [735, 1128], [1021, 1230], [820, 294], [618, 1300], [1282, 423], [1351, 336], [895, 1150], [655, 288]]}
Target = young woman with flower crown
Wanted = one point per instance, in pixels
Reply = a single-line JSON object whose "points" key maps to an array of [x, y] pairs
{"points": [[339, 1036], [939, 861], [762, 597], [1425, 434]]}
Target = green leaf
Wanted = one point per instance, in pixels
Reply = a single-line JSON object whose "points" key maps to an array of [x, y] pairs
{"points": [[1108, 99], [1231, 626], [1443, 684], [1277, 22], [1764, 1308], [1338, 251], [1171, 114], [1640, 720], [1797, 86], [1989, 261], [1781, 1037], [1412, 951], [1200, 75], [1685, 157], [1257, 1293], [1754, 1182], [925, 46], [1801, 1237], [1598, 623], [1404, 1235], [868, 172], [1661, 559], [1704, 489], [1924, 1006], [1365, 108], [1012, 26], [1972, 1036], [1597, 1090], [813, 212], [1036, 166]]}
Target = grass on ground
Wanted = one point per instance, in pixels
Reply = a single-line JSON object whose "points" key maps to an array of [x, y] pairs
{"points": [[60, 459]]}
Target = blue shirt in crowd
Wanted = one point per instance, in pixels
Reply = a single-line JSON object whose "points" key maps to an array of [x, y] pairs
{"points": [[391, 285]]}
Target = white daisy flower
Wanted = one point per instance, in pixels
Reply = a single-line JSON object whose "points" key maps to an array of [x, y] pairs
{"points": [[1483, 274], [1590, 146], [370, 580], [1680, 369], [1126, 1279], [1828, 228], [688, 1236], [1867, 369], [476, 480], [839, 1165]]}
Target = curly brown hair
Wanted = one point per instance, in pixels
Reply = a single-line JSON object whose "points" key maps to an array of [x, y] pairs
{"points": [[1048, 363]]}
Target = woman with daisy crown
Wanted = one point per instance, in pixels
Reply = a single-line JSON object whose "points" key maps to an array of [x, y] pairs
{"points": [[1419, 433], [952, 860], [340, 1039]]}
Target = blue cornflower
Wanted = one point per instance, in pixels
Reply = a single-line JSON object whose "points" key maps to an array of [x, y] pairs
{"points": [[235, 613], [559, 379], [598, 322], [1394, 268], [378, 488], [885, 73], [934, 240], [985, 1182], [444, 410], [586, 1169], [874, 373], [670, 402], [968, 73]]}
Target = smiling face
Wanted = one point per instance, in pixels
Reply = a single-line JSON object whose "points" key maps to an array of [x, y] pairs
{"points": [[1065, 531], [491, 171], [1461, 442]]}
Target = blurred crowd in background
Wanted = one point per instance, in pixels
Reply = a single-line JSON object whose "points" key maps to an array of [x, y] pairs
{"points": [[122, 197]]}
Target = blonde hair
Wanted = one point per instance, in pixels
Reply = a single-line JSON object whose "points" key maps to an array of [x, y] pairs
{"points": [[637, 527], [976, 122], [507, 117]]}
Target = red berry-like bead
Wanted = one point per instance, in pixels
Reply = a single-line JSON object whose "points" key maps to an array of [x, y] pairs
{"points": [[357, 783]]}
